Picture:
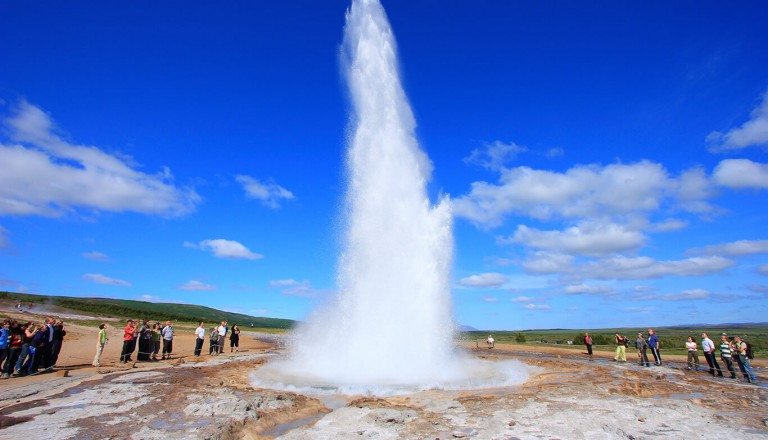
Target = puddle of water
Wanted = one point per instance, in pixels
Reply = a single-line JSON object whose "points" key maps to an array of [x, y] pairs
{"points": [[283, 428]]}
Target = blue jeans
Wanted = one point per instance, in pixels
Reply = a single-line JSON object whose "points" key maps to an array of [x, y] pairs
{"points": [[22, 356], [745, 368]]}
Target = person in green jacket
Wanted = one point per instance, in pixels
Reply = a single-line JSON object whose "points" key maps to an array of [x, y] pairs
{"points": [[100, 343]]}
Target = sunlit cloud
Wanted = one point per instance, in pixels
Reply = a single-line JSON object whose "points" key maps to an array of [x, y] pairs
{"points": [[586, 238], [269, 194], [686, 295], [643, 268], [741, 173], [221, 248], [102, 279], [484, 280], [526, 299], [537, 307], [76, 176], [752, 133]]}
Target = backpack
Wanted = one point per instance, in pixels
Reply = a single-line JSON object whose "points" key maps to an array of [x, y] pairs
{"points": [[626, 341], [750, 355]]}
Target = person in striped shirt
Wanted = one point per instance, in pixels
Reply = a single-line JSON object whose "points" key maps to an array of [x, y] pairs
{"points": [[725, 355]]}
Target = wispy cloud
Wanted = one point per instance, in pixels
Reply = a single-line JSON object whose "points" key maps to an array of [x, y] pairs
{"points": [[752, 133], [77, 176], [762, 269], [526, 299], [484, 280], [291, 287], [95, 256], [734, 249], [195, 285], [221, 248], [269, 194], [537, 307], [494, 156], [102, 279], [4, 240]]}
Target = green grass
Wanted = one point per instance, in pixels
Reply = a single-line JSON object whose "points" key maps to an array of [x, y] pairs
{"points": [[121, 309]]}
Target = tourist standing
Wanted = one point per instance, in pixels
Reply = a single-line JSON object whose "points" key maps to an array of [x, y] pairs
{"points": [[740, 354], [167, 340], [653, 343], [28, 330], [145, 342], [14, 347], [490, 341], [693, 356], [588, 343], [725, 354], [156, 337], [5, 338], [58, 340], [708, 347], [199, 338], [129, 340], [621, 348], [222, 336], [234, 339], [642, 350], [47, 358], [101, 341], [214, 341], [38, 346]]}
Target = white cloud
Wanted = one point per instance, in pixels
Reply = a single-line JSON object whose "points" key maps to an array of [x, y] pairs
{"points": [[735, 248], [495, 155], [741, 173], [587, 238], [588, 191], [95, 256], [270, 194], [149, 298], [555, 152], [484, 280], [42, 174], [763, 269], [101, 279], [639, 268], [291, 287], [547, 263], [537, 307], [668, 225], [584, 289], [526, 299], [686, 295], [196, 286], [752, 133], [221, 248]]}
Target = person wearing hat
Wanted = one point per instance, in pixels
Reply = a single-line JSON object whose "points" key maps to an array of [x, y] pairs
{"points": [[129, 341], [642, 350], [740, 354]]}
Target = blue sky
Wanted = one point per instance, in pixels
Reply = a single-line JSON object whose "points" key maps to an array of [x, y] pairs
{"points": [[606, 161]]}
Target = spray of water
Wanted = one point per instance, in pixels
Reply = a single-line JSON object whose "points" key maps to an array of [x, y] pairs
{"points": [[391, 325]]}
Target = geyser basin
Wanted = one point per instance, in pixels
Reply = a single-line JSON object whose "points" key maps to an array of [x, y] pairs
{"points": [[390, 327], [463, 374]]}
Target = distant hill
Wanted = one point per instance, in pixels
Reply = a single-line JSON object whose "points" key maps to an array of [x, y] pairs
{"points": [[124, 308]]}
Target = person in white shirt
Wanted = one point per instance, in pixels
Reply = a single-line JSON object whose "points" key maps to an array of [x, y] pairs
{"points": [[693, 357], [708, 347], [490, 341], [222, 329], [199, 338], [167, 340]]}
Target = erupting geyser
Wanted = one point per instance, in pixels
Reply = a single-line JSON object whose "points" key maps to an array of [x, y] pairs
{"points": [[390, 327]]}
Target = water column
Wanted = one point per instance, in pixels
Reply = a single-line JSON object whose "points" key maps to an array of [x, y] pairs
{"points": [[391, 322]]}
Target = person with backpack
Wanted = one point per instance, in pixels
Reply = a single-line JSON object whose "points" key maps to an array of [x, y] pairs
{"points": [[740, 354], [621, 348]]}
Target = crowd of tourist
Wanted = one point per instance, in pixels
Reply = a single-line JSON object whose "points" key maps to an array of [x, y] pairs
{"points": [[731, 348], [29, 348]]}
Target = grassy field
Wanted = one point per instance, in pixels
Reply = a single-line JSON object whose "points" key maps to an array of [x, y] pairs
{"points": [[672, 339], [120, 309]]}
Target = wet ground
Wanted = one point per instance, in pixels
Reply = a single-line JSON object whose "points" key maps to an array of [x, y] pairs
{"points": [[569, 397]]}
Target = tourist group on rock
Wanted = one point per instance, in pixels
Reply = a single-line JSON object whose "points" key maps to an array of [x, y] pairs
{"points": [[732, 349], [26, 348]]}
